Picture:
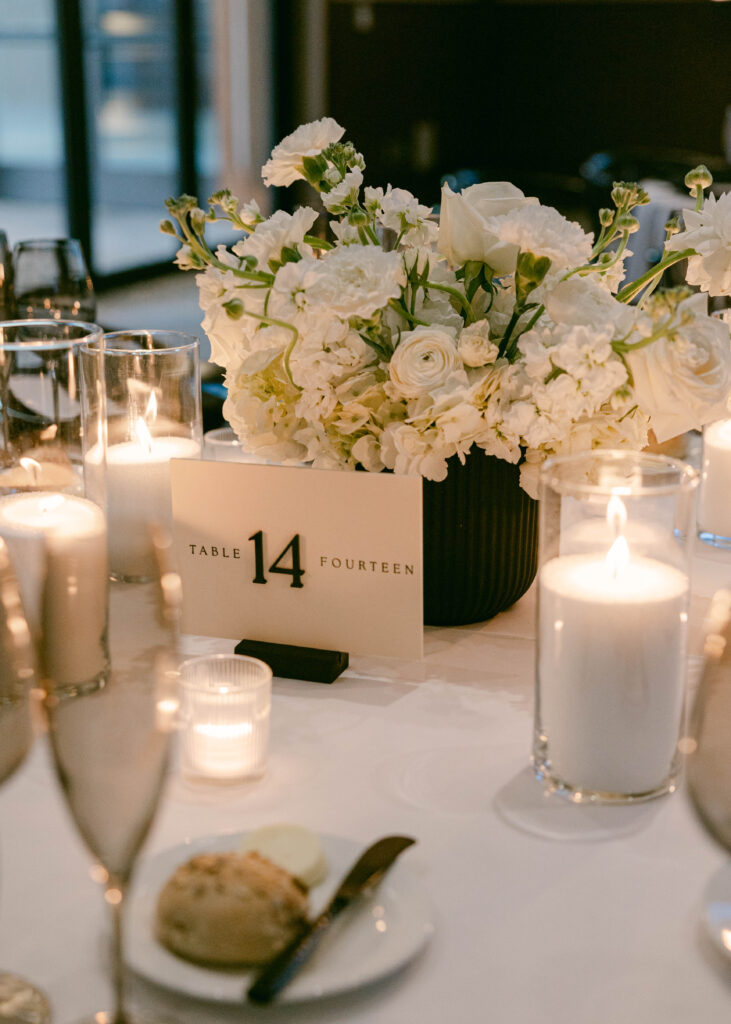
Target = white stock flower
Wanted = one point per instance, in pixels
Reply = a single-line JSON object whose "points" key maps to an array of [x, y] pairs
{"points": [[285, 164], [708, 231], [683, 379], [345, 193], [270, 236], [463, 230], [475, 347], [355, 280], [543, 231], [423, 360]]}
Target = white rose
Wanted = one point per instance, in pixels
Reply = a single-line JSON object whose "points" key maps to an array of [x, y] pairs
{"points": [[708, 231], [424, 359], [463, 235], [285, 164], [475, 346], [579, 300], [682, 381]]}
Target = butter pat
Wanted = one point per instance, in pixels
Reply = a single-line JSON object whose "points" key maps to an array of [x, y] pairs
{"points": [[292, 847]]}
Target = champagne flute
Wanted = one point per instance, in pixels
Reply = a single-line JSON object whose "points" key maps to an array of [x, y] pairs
{"points": [[709, 759], [19, 1000], [51, 279], [110, 745]]}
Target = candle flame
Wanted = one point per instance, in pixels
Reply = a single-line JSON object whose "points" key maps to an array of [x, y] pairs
{"points": [[151, 410], [618, 557], [31, 467], [143, 435], [616, 515]]}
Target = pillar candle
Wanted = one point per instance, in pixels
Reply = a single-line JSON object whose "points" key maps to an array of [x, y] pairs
{"points": [[134, 487], [611, 670], [57, 544]]}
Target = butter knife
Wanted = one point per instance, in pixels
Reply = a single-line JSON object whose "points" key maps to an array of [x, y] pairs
{"points": [[369, 869]]}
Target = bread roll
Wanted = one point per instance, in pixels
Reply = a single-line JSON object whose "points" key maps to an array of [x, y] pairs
{"points": [[229, 909]]}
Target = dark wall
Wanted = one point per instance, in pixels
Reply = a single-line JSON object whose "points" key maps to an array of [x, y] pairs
{"points": [[525, 90]]}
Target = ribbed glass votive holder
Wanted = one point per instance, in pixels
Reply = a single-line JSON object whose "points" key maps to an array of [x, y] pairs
{"points": [[225, 710]]}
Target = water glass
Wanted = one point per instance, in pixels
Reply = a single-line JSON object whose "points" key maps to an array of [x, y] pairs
{"points": [[40, 395]]}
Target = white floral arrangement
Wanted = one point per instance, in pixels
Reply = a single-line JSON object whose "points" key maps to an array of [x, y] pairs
{"points": [[404, 339]]}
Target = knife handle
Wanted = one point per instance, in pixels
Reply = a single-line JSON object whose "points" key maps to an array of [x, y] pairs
{"points": [[280, 970]]}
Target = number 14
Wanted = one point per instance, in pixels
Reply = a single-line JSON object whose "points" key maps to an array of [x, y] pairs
{"points": [[296, 571]]}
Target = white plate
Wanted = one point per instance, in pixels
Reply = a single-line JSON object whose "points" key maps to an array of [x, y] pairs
{"points": [[379, 934], [717, 909]]}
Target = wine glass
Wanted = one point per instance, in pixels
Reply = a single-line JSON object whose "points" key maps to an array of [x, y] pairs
{"points": [[19, 1000], [110, 744], [7, 302], [51, 279], [709, 758]]}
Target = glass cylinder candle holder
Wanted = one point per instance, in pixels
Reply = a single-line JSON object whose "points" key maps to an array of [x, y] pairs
{"points": [[145, 396], [225, 710], [714, 504], [40, 394], [612, 623]]}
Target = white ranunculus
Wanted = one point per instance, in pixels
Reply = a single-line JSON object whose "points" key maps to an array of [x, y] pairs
{"points": [[580, 300], [355, 280], [683, 380], [543, 231], [475, 347], [424, 359], [708, 231], [269, 237], [463, 232], [285, 164]]}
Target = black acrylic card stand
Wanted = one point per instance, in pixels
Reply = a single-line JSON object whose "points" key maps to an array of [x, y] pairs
{"points": [[310, 663]]}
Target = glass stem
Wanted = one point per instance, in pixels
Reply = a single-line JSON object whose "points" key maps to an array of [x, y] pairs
{"points": [[115, 895]]}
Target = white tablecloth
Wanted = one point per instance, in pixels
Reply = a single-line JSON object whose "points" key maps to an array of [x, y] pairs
{"points": [[599, 924]]}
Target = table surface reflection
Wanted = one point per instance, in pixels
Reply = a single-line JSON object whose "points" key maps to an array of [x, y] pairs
{"points": [[545, 911]]}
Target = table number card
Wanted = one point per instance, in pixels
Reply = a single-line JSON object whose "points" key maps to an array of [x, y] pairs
{"points": [[291, 555]]}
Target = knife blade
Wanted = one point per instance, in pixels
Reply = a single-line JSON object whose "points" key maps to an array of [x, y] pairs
{"points": [[369, 869]]}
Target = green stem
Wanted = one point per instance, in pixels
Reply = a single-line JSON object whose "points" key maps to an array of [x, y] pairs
{"points": [[318, 243], [635, 287], [458, 296]]}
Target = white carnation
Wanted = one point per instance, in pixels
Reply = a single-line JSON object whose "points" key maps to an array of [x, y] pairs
{"points": [[355, 280], [285, 164], [543, 231]]}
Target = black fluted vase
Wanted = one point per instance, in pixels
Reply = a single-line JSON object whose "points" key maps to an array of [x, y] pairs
{"points": [[480, 541]]}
